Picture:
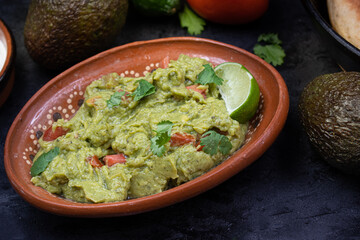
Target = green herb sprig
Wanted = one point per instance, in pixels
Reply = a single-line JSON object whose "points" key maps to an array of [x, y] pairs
{"points": [[191, 21], [163, 135], [214, 142], [115, 99], [43, 161], [271, 51], [144, 89], [208, 75]]}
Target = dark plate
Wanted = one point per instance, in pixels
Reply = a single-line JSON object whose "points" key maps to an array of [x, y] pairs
{"points": [[344, 53]]}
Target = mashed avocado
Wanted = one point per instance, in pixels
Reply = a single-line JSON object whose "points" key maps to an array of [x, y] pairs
{"points": [[101, 128]]}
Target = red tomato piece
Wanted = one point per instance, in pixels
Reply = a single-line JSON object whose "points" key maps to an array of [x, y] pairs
{"points": [[111, 160], [179, 139], [196, 89], [198, 146], [94, 162], [230, 11], [50, 135]]}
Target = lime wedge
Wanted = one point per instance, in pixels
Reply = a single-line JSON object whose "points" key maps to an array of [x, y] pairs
{"points": [[239, 90]]}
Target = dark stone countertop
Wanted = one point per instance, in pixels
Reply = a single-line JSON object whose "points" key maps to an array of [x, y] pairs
{"points": [[288, 193]]}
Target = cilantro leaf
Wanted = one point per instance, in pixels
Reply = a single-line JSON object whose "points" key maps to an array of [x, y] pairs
{"points": [[163, 135], [191, 21], [43, 161], [271, 52], [144, 89], [115, 99], [164, 127], [208, 75], [270, 38], [156, 147], [225, 145], [214, 142]]}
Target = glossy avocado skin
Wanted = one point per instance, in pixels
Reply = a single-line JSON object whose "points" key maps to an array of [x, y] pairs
{"points": [[60, 33], [330, 112], [157, 8]]}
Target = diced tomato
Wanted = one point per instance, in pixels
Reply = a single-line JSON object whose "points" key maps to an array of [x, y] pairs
{"points": [[179, 139], [94, 161], [51, 135], [197, 143], [196, 89], [111, 160], [198, 146]]}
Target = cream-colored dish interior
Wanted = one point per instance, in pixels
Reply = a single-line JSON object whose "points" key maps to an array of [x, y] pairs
{"points": [[3, 50]]}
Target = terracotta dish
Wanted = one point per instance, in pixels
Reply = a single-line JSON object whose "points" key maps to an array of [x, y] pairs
{"points": [[7, 62], [64, 94]]}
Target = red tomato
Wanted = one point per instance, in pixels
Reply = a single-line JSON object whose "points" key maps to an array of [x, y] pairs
{"points": [[199, 147], [50, 135], [179, 139], [230, 11], [94, 161], [114, 159], [196, 89]]}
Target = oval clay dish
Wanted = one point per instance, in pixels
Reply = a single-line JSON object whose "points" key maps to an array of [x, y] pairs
{"points": [[62, 96]]}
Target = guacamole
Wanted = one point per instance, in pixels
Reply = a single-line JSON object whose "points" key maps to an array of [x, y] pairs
{"points": [[105, 153]]}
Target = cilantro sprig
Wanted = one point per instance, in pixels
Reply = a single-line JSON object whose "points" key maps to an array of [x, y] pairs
{"points": [[163, 135], [191, 21], [214, 142], [271, 51], [115, 99], [144, 89], [43, 161], [208, 75]]}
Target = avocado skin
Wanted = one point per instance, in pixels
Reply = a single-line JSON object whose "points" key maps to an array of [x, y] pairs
{"points": [[157, 8], [330, 112], [60, 33]]}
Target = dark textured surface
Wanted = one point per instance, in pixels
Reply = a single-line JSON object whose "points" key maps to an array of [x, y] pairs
{"points": [[288, 193]]}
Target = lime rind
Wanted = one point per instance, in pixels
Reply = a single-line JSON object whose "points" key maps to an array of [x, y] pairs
{"points": [[249, 108], [239, 90]]}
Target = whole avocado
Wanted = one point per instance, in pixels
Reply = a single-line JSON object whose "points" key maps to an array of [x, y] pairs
{"points": [[330, 112], [60, 33]]}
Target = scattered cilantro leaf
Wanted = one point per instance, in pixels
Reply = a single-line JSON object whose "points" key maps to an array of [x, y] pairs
{"points": [[191, 21], [271, 52], [208, 76], [115, 99], [43, 161], [163, 135], [270, 38], [144, 89], [214, 142]]}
